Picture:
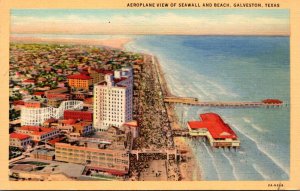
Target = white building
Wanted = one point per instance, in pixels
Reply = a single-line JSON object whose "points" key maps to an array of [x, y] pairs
{"points": [[37, 116], [113, 99]]}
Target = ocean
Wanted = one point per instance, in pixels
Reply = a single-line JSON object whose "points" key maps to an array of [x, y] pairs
{"points": [[231, 68]]}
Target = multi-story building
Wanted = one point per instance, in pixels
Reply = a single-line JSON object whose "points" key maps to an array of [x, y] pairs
{"points": [[59, 95], [218, 133], [38, 133], [32, 104], [96, 74], [54, 102], [19, 140], [78, 115], [80, 81], [83, 128], [56, 91], [95, 157], [113, 100], [37, 116], [44, 154]]}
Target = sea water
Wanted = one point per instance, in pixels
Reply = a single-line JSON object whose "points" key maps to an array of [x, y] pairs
{"points": [[231, 68]]}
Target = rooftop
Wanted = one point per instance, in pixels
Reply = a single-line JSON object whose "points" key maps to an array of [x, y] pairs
{"points": [[215, 125], [18, 136], [102, 71], [272, 101], [132, 123], [37, 130], [77, 111], [79, 76], [29, 80], [39, 93], [19, 102], [90, 146], [117, 80], [68, 121]]}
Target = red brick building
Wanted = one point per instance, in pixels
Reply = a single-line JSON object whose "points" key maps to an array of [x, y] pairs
{"points": [[78, 115]]}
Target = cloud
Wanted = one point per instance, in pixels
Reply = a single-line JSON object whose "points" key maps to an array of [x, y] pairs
{"points": [[163, 23]]}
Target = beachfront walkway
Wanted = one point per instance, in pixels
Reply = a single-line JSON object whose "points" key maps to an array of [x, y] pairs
{"points": [[155, 172]]}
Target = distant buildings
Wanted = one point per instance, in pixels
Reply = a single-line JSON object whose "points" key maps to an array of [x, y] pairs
{"points": [[218, 133], [45, 94], [80, 81], [63, 96], [54, 102], [32, 104], [113, 99], [56, 91], [96, 74]]}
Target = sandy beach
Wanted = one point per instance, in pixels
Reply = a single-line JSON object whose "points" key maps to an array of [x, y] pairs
{"points": [[117, 43], [189, 170]]}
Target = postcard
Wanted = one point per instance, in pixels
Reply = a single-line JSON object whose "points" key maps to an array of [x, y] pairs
{"points": [[149, 95]]}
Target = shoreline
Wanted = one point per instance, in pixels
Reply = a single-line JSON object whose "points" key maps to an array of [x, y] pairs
{"points": [[116, 43], [188, 170]]}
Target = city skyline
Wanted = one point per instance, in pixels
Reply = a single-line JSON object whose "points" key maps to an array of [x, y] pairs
{"points": [[173, 22]]}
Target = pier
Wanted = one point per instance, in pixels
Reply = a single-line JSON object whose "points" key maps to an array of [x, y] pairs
{"points": [[235, 104]]}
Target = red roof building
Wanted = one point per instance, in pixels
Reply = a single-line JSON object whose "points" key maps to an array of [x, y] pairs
{"points": [[38, 133], [215, 129], [39, 93], [67, 122], [32, 104], [79, 77], [18, 136], [19, 140], [272, 101], [78, 115], [63, 96], [29, 81], [18, 102], [80, 81], [102, 71]]}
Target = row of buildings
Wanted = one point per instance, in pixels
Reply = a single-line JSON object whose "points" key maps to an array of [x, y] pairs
{"points": [[52, 115], [112, 100]]}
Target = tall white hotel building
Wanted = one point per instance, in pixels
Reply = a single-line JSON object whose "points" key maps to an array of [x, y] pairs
{"points": [[113, 99]]}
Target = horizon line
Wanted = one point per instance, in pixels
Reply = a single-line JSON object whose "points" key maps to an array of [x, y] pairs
{"points": [[271, 35]]}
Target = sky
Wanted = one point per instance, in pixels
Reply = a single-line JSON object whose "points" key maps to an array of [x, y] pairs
{"points": [[150, 21]]}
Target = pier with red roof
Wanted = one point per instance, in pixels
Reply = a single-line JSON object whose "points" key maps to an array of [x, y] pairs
{"points": [[217, 132]]}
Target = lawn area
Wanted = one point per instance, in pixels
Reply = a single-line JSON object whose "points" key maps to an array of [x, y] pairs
{"points": [[104, 177]]}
